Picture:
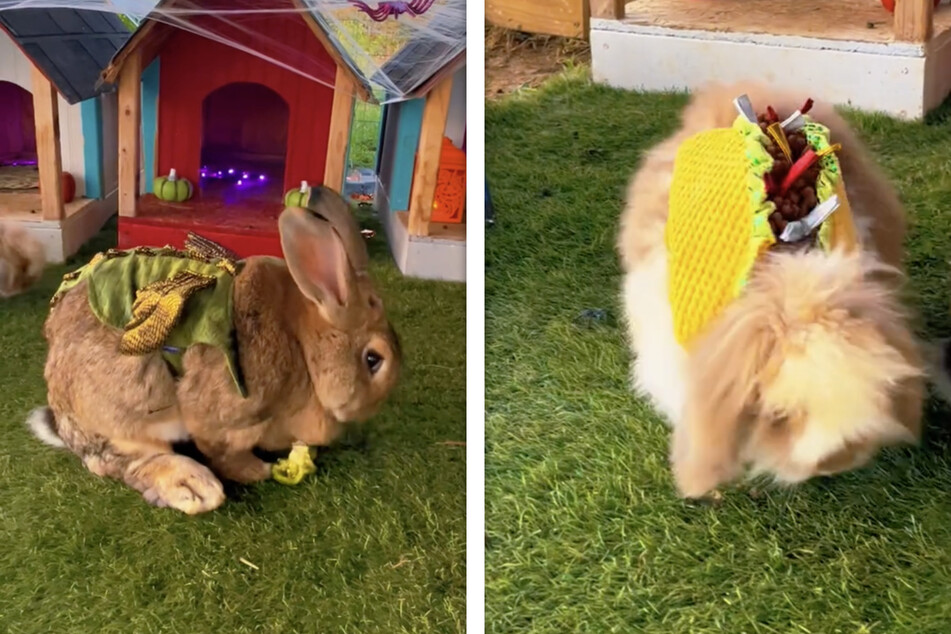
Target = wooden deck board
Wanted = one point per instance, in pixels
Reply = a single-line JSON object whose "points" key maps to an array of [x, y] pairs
{"points": [[852, 20], [28, 206], [438, 230]]}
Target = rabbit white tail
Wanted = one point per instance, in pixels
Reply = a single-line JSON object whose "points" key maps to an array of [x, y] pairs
{"points": [[42, 423]]}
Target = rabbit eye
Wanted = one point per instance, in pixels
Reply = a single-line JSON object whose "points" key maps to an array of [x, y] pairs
{"points": [[373, 360]]}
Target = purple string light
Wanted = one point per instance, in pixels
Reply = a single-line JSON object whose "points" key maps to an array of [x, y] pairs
{"points": [[243, 177]]}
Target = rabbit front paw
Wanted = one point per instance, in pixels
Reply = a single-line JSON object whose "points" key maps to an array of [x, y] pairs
{"points": [[243, 467], [697, 479]]}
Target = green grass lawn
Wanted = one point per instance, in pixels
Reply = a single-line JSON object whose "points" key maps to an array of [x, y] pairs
{"points": [[374, 542], [584, 530]]}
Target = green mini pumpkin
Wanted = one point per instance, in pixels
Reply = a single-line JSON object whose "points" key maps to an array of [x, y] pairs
{"points": [[172, 188], [298, 197]]}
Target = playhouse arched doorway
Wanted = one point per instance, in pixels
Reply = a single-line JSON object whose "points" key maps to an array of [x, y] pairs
{"points": [[17, 127], [243, 141]]}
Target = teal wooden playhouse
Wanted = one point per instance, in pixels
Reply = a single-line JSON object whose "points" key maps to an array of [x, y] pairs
{"points": [[57, 130], [415, 135]]}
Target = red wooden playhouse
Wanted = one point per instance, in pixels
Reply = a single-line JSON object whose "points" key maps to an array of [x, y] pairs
{"points": [[242, 121]]}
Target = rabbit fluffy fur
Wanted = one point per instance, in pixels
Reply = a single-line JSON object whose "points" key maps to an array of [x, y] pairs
{"points": [[813, 368], [316, 351], [22, 260]]}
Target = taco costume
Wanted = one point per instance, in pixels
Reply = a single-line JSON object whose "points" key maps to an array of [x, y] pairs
{"points": [[165, 299], [719, 212]]}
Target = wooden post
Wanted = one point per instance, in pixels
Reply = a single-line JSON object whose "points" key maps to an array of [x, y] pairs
{"points": [[340, 117], [431, 133], [914, 20], [568, 18], [607, 9], [130, 117], [48, 157]]}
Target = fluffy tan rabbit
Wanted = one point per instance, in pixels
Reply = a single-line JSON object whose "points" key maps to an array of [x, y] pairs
{"points": [[22, 260], [812, 368], [315, 351]]}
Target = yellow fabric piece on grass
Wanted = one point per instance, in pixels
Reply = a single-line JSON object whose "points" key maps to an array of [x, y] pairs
{"points": [[298, 464]]}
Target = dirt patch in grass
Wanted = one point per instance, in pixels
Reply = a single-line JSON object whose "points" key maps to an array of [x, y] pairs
{"points": [[516, 60]]}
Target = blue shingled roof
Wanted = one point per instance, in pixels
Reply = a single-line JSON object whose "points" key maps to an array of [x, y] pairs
{"points": [[70, 46]]}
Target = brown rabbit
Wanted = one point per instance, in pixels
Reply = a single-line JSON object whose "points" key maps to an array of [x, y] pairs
{"points": [[315, 351], [813, 367], [22, 260]]}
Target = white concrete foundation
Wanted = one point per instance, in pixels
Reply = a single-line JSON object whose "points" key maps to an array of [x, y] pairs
{"points": [[63, 238], [901, 79], [423, 257]]}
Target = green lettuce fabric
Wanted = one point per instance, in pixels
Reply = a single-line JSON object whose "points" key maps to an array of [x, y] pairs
{"points": [[114, 278]]}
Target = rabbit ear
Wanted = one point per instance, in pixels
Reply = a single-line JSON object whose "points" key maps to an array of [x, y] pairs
{"points": [[318, 261], [331, 206], [727, 368]]}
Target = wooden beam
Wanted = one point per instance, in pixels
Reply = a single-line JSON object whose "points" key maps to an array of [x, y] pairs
{"points": [[111, 73], [130, 117], [341, 116], [607, 9], [147, 41], [446, 71], [48, 157], [552, 17], [914, 20], [426, 170]]}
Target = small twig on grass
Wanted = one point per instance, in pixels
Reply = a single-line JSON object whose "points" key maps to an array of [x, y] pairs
{"points": [[248, 563], [451, 443], [402, 562]]}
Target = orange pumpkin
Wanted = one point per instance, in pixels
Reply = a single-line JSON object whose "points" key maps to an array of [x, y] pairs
{"points": [[68, 183], [69, 187]]}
